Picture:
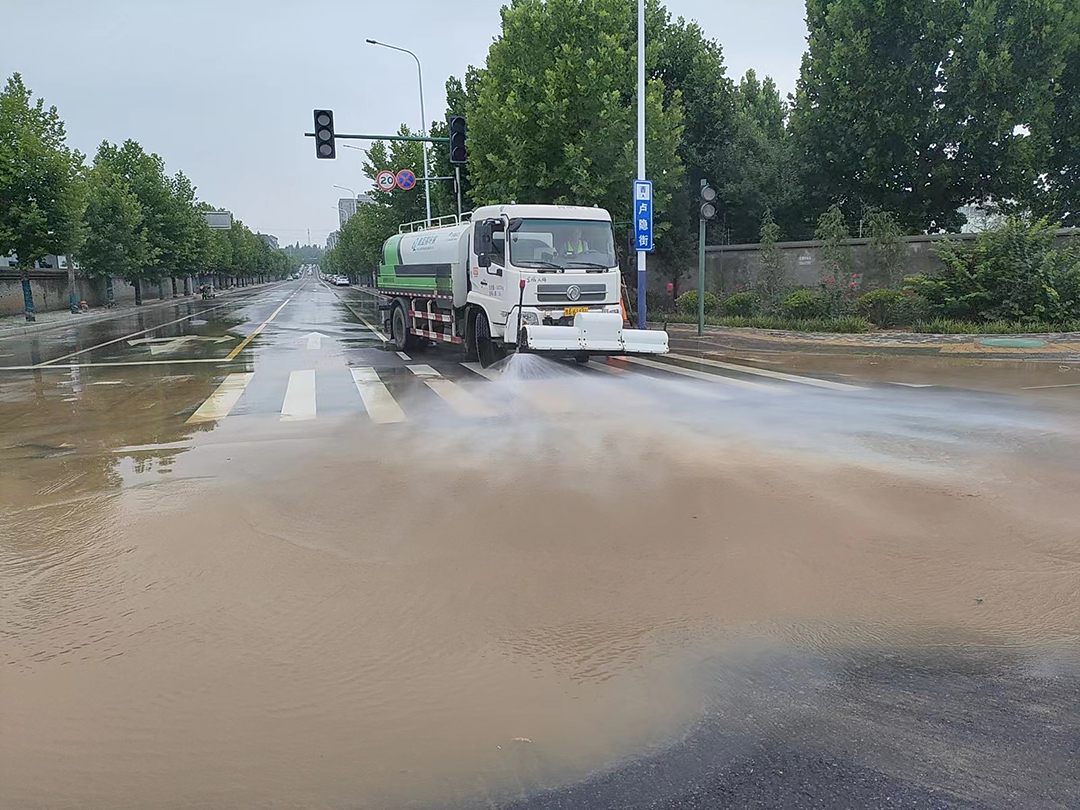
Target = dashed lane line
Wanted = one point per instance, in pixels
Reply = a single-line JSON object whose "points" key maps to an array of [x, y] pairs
{"points": [[763, 372], [223, 400], [380, 404]]}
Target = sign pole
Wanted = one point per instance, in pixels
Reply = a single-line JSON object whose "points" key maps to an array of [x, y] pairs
{"points": [[641, 152]]}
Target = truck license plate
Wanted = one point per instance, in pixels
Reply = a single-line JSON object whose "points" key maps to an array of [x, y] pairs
{"points": [[570, 312]]}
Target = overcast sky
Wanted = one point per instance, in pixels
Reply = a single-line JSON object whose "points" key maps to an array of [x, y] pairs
{"points": [[224, 89]]}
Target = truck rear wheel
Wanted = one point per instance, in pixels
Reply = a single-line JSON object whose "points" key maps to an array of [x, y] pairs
{"points": [[399, 330], [487, 351]]}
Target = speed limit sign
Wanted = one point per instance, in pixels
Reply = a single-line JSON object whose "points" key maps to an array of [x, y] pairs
{"points": [[385, 181]]}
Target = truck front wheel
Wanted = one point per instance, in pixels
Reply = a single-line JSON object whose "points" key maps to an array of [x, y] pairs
{"points": [[487, 351]]}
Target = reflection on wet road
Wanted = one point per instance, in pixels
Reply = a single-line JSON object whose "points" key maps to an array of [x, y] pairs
{"points": [[249, 556]]}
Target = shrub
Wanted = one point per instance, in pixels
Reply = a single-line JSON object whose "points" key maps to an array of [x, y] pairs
{"points": [[1014, 273], [805, 304], [887, 308], [688, 303], [740, 303]]}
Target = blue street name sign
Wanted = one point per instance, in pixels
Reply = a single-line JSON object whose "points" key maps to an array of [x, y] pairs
{"points": [[643, 233]]}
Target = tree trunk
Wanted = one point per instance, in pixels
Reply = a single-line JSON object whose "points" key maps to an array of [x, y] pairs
{"points": [[173, 280], [161, 290], [110, 294], [73, 297], [137, 283], [28, 296], [187, 286]]}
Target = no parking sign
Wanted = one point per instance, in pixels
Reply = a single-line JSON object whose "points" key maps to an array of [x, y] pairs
{"points": [[406, 179]]}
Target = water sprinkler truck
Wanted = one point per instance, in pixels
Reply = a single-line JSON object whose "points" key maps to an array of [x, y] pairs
{"points": [[528, 278]]}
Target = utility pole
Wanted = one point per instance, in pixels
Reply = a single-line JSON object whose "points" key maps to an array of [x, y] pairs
{"points": [[641, 149]]}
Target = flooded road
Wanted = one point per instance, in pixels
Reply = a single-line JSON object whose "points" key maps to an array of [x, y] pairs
{"points": [[372, 581]]}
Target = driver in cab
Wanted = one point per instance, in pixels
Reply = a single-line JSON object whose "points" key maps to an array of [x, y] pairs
{"points": [[575, 245]]}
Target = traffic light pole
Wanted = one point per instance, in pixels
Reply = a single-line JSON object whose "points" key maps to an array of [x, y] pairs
{"points": [[457, 187], [383, 138], [701, 276]]}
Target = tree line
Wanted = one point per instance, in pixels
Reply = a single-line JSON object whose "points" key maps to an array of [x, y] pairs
{"points": [[120, 215], [913, 109]]}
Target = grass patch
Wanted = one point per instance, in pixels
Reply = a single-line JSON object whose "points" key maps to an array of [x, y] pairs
{"points": [[849, 325], [945, 326]]}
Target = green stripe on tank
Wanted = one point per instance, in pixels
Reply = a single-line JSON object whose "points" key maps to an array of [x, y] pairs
{"points": [[392, 250]]}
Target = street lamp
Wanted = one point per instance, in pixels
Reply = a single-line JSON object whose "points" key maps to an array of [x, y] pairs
{"points": [[423, 119], [345, 188]]}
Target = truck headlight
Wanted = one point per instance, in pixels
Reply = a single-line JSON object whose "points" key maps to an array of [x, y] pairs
{"points": [[530, 319]]}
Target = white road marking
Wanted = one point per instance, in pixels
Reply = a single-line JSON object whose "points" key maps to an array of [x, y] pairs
{"points": [[224, 398], [299, 401], [762, 372], [380, 404], [914, 385], [404, 357], [314, 340], [460, 401], [607, 368], [702, 375], [487, 373], [1042, 387]]}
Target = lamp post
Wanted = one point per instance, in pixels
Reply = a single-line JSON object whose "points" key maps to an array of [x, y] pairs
{"points": [[423, 119]]}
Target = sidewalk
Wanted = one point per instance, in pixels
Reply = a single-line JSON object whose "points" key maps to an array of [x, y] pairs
{"points": [[13, 326]]}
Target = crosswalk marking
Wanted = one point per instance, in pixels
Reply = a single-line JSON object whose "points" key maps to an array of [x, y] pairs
{"points": [[703, 375], [762, 372], [221, 402], [461, 401], [488, 373], [380, 404], [299, 401]]}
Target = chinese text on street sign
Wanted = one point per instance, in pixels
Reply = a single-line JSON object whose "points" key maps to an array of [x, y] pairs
{"points": [[643, 233]]}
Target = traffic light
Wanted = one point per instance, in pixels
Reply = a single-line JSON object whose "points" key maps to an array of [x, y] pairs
{"points": [[708, 206], [458, 153], [325, 148]]}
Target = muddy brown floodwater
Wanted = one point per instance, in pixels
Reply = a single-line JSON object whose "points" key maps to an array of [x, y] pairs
{"points": [[365, 617]]}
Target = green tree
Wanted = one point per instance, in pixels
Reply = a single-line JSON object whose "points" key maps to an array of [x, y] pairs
{"points": [[868, 119], [761, 165], [40, 197], [1056, 193], [115, 241], [773, 268], [145, 176], [888, 251], [832, 231], [553, 119], [1001, 76]]}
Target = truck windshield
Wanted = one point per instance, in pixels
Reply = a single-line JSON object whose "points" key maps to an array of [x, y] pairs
{"points": [[559, 244]]}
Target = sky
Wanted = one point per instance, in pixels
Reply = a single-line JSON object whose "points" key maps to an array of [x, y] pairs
{"points": [[224, 89]]}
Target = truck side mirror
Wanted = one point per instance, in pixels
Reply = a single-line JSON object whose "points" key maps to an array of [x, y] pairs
{"points": [[484, 260]]}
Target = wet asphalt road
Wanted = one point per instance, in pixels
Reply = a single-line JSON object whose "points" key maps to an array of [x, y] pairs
{"points": [[940, 719]]}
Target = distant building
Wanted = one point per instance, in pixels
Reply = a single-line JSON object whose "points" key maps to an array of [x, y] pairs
{"points": [[331, 240], [346, 207], [270, 239]]}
